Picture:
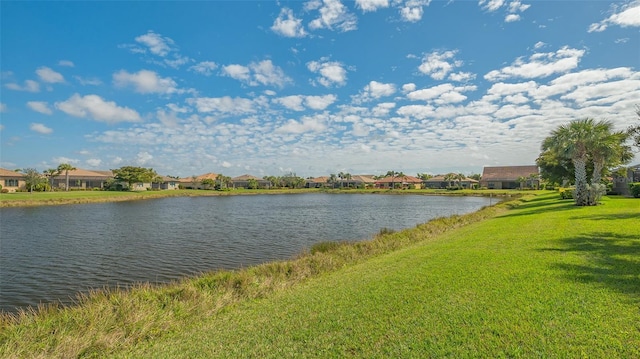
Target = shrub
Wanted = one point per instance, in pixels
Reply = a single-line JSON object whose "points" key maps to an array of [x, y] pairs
{"points": [[566, 193], [4, 190], [635, 189]]}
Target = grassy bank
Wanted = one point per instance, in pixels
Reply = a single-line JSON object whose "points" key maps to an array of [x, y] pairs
{"points": [[531, 278], [25, 199]]}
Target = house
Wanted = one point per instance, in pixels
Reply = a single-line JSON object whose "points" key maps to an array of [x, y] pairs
{"points": [[441, 182], [243, 181], [621, 183], [361, 181], [168, 183], [404, 182], [195, 182], [11, 180], [81, 179], [318, 182], [510, 177]]}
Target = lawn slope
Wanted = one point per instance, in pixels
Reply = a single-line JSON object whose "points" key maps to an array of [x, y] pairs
{"points": [[546, 279]]}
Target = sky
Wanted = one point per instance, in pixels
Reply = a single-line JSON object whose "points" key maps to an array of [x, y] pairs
{"points": [[311, 87]]}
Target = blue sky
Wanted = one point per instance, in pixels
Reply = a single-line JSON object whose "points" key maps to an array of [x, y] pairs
{"points": [[314, 87]]}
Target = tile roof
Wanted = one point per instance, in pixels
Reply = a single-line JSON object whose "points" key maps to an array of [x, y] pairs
{"points": [[246, 177], [79, 172], [9, 173], [508, 173], [405, 179]]}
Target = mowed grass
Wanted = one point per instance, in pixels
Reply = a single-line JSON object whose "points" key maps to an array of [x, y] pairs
{"points": [[542, 279], [546, 279]]}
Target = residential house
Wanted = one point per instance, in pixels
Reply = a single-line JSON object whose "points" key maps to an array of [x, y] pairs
{"points": [[358, 181], [195, 182], [621, 183], [405, 182], [81, 179], [509, 177], [439, 182], [243, 181], [318, 182], [168, 183], [11, 180]]}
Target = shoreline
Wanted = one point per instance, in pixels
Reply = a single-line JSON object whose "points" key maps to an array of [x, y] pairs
{"points": [[25, 199]]}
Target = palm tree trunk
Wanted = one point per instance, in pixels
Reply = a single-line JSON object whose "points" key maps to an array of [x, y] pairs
{"points": [[581, 193], [597, 172], [67, 180]]}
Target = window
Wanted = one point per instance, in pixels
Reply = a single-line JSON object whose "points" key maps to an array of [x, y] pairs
{"points": [[11, 183]]}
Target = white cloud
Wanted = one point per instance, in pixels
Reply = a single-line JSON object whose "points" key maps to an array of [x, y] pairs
{"points": [[143, 158], [287, 25], [222, 105], [68, 160], [156, 43], [145, 81], [444, 93], [204, 68], [408, 87], [371, 5], [333, 14], [40, 128], [257, 73], [517, 6], [308, 124], [29, 86], [491, 5], [539, 45], [94, 162], [412, 10], [48, 75], [319, 102], [66, 63], [539, 65], [93, 81], [293, 102], [93, 106], [331, 72], [40, 106], [374, 90], [627, 15], [3, 107], [512, 18], [439, 64], [462, 76], [225, 164]]}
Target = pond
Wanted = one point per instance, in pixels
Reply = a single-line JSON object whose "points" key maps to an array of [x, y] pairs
{"points": [[50, 253]]}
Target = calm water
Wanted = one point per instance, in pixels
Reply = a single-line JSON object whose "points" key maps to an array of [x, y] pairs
{"points": [[49, 254]]}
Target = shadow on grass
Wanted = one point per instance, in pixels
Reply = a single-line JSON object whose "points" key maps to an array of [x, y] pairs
{"points": [[612, 261], [541, 206], [611, 217]]}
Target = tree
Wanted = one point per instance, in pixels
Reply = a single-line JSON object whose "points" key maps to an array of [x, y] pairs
{"points": [[252, 183], [131, 175], [533, 177], [450, 177], [51, 173], [522, 181], [607, 149], [208, 183], [424, 176], [581, 140], [459, 178], [66, 167], [634, 131], [33, 179], [348, 177], [332, 180]]}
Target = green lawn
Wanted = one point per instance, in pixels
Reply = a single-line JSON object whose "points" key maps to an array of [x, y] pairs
{"points": [[542, 279]]}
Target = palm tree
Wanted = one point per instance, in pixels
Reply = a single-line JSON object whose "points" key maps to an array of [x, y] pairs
{"points": [[332, 180], [578, 141], [66, 168], [348, 177], [449, 178], [51, 173], [459, 178], [392, 174], [608, 148]]}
